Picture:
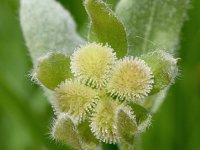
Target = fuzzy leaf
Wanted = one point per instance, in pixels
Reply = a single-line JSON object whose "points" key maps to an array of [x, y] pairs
{"points": [[126, 126], [143, 118], [164, 68], [47, 26], [126, 146], [105, 27], [153, 102], [76, 136], [64, 130], [152, 24], [53, 69], [90, 142]]}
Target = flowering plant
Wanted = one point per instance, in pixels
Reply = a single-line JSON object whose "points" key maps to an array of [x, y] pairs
{"points": [[107, 88]]}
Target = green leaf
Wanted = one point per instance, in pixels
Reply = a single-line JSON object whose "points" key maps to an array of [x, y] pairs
{"points": [[126, 126], [126, 146], [153, 102], [112, 3], [48, 26], [152, 24], [164, 68], [53, 69], [105, 27], [78, 136], [90, 142], [65, 130], [77, 10], [143, 118]]}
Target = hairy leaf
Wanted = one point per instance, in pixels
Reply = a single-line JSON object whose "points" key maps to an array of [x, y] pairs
{"points": [[153, 102], [76, 136], [47, 26], [53, 69], [65, 130], [164, 68], [152, 24], [126, 126], [90, 142], [105, 26], [143, 118]]}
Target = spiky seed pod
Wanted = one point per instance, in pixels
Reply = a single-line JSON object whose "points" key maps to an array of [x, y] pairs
{"points": [[75, 99], [103, 121], [131, 79], [92, 64]]}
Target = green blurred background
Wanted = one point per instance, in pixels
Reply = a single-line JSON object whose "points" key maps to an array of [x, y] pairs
{"points": [[26, 116]]}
